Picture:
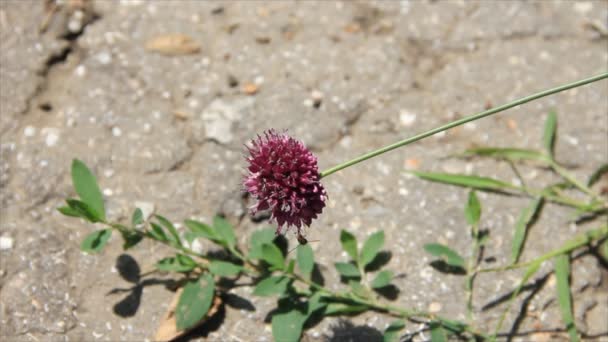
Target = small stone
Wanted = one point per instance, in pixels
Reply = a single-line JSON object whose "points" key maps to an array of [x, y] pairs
{"points": [[29, 131], [80, 70], [104, 58], [108, 192], [52, 137], [406, 118], [6, 243], [435, 307], [116, 131]]}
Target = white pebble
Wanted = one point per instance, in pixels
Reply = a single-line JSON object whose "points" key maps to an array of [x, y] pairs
{"points": [[52, 137], [6, 243], [406, 118], [116, 131], [316, 95], [104, 58], [258, 80], [80, 71], [29, 131], [308, 102], [108, 192]]}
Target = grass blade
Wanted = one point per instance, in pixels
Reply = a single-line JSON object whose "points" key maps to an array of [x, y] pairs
{"points": [[472, 212], [512, 154], [549, 133], [597, 174], [526, 219], [562, 274], [475, 182]]}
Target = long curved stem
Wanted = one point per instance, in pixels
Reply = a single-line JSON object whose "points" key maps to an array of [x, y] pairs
{"points": [[462, 121]]}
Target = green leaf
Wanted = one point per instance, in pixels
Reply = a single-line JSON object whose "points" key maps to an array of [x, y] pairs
{"points": [[201, 230], [224, 268], [437, 332], [382, 279], [562, 274], [137, 218], [174, 264], [349, 244], [472, 211], [392, 332], [597, 174], [315, 302], [306, 260], [224, 231], [83, 210], [475, 182], [273, 256], [511, 154], [347, 270], [157, 232], [344, 308], [358, 289], [259, 238], [453, 326], [288, 322], [445, 253], [68, 211], [95, 241], [171, 228], [526, 219], [194, 302], [549, 133], [371, 247], [274, 285], [130, 238], [86, 187]]}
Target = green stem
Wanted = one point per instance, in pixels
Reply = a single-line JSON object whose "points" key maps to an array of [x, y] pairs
{"points": [[567, 176], [462, 121], [577, 242]]}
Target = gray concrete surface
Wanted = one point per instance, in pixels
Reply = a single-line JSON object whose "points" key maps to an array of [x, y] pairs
{"points": [[169, 130]]}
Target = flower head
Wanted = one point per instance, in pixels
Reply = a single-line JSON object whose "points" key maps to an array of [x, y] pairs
{"points": [[284, 178]]}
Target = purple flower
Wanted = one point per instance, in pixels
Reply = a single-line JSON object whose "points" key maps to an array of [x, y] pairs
{"points": [[284, 178]]}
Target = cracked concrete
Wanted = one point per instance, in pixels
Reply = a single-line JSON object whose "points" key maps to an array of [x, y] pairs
{"points": [[345, 77]]}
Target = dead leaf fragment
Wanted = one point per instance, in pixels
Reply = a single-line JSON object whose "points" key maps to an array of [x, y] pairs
{"points": [[167, 330], [173, 44], [352, 28], [250, 88], [181, 115], [412, 164]]}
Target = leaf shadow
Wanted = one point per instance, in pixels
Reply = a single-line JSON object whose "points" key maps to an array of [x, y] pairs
{"points": [[390, 291], [237, 302], [344, 330], [129, 270], [381, 259], [444, 267]]}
